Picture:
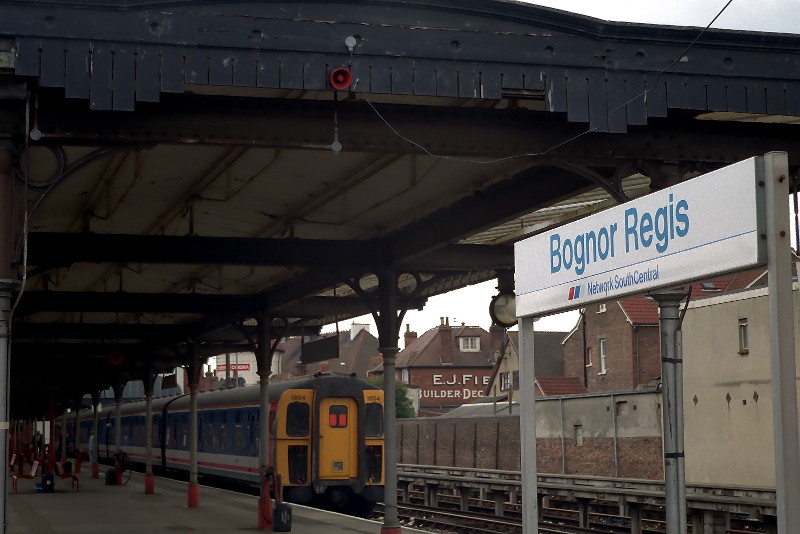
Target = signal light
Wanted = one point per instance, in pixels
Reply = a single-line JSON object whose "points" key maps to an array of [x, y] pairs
{"points": [[116, 357], [340, 78]]}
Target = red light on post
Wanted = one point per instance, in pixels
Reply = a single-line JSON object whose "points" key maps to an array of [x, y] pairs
{"points": [[116, 357], [340, 78]]}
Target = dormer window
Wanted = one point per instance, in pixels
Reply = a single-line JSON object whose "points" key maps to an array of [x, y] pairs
{"points": [[469, 344], [709, 287]]}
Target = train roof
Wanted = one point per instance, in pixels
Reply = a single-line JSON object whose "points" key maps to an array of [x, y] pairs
{"points": [[247, 395]]}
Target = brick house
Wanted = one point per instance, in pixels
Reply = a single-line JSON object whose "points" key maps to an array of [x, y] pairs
{"points": [[450, 365], [550, 379], [615, 345], [357, 353]]}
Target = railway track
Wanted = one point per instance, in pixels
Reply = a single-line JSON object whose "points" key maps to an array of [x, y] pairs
{"points": [[558, 518], [441, 520]]}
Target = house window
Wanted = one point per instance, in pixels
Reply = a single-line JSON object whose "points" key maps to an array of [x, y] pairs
{"points": [[603, 367], [470, 344], [601, 307], [505, 384], [515, 380], [744, 343]]}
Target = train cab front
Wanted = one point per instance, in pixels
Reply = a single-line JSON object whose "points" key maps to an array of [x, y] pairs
{"points": [[333, 451]]}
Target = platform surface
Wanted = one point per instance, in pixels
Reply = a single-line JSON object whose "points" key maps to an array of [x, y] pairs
{"points": [[101, 509]]}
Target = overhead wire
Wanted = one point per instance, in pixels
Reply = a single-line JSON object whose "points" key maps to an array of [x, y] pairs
{"points": [[26, 214]]}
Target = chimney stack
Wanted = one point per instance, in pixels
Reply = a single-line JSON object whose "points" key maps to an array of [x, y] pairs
{"points": [[446, 342], [409, 336]]}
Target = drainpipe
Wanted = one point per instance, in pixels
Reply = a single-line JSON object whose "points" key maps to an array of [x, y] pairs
{"points": [[638, 359], [614, 424], [583, 335], [563, 444]]}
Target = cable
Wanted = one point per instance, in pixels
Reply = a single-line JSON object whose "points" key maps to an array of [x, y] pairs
{"points": [[686, 306], [26, 215], [562, 143]]}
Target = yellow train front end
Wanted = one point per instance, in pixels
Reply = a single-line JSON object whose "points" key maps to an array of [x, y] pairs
{"points": [[328, 443]]}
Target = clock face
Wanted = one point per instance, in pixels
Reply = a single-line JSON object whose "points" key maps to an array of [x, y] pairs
{"points": [[503, 310]]}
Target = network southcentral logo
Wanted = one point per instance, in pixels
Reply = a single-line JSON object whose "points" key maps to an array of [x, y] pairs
{"points": [[574, 292]]}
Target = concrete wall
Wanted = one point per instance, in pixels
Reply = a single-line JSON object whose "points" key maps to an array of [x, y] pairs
{"points": [[604, 435], [727, 395]]}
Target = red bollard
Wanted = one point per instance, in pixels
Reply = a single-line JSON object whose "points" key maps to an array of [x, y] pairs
{"points": [[149, 484], [265, 508], [194, 496], [95, 470]]}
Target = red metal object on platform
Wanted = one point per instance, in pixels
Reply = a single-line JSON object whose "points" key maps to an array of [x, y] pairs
{"points": [[264, 509], [149, 484], [194, 495], [95, 470]]}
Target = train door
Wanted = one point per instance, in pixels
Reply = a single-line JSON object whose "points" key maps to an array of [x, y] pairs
{"points": [[338, 433]]}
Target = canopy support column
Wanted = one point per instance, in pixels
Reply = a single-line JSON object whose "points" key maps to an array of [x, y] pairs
{"points": [[388, 334], [76, 438], [264, 351], [8, 282], [118, 430], [94, 443], [149, 479], [194, 385]]}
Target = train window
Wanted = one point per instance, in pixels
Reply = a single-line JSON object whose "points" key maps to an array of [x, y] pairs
{"points": [[211, 437], [253, 426], [238, 430], [184, 431], [138, 434], [298, 464], [156, 430], [223, 431], [337, 416], [202, 435], [374, 420], [297, 419], [127, 431]]}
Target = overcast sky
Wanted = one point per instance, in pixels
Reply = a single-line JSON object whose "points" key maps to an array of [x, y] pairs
{"points": [[471, 305], [754, 15]]}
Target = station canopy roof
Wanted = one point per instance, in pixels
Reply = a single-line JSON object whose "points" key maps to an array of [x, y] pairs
{"points": [[186, 170]]}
